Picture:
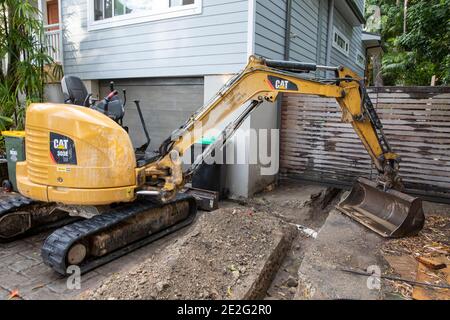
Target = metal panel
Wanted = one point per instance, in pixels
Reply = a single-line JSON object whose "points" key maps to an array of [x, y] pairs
{"points": [[315, 145], [166, 104]]}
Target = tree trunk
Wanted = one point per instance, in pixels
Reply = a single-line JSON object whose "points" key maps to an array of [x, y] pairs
{"points": [[14, 50], [377, 76], [5, 30], [405, 11]]}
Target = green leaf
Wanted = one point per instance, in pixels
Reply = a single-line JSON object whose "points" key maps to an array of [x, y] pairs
{"points": [[22, 42], [5, 123]]}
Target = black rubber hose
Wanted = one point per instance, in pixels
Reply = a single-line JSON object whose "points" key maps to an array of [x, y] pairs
{"points": [[291, 65]]}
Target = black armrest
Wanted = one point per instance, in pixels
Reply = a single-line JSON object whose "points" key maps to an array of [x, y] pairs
{"points": [[87, 102]]}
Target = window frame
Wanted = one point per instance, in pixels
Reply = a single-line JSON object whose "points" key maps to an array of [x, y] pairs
{"points": [[141, 17], [336, 31], [363, 64]]}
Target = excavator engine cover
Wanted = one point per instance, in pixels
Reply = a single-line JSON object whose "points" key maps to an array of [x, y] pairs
{"points": [[391, 213], [76, 155]]}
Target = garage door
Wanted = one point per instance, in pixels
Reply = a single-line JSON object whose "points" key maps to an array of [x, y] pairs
{"points": [[166, 104]]}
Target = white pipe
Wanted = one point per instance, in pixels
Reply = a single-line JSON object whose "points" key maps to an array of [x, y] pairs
{"points": [[148, 193], [330, 31]]}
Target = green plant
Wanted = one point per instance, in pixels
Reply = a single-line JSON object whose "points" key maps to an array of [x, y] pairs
{"points": [[5, 123], [23, 57], [416, 43]]}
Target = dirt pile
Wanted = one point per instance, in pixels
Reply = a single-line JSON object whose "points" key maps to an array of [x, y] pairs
{"points": [[227, 255]]}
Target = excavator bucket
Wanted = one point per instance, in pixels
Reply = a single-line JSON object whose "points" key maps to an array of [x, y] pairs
{"points": [[390, 213]]}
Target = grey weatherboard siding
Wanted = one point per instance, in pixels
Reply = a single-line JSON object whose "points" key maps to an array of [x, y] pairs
{"points": [[309, 31], [270, 21], [213, 42], [354, 36]]}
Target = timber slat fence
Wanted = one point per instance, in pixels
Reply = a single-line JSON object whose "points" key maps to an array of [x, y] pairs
{"points": [[317, 146]]}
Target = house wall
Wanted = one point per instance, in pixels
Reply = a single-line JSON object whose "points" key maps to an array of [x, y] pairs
{"points": [[309, 32], [270, 22], [308, 42], [166, 103], [53, 93], [354, 35], [304, 27], [264, 119], [360, 4], [212, 42]]}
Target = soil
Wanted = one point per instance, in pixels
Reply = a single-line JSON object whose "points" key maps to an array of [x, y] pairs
{"points": [[228, 247], [304, 204], [216, 260], [432, 241], [307, 205]]}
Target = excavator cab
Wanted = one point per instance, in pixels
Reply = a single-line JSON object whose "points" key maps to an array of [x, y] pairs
{"points": [[75, 93]]}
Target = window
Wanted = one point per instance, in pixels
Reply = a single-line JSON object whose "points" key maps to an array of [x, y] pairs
{"points": [[112, 13], [360, 59], [340, 42]]}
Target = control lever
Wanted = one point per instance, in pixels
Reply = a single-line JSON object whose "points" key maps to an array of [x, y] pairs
{"points": [[124, 92], [108, 99], [111, 86], [145, 145], [110, 95]]}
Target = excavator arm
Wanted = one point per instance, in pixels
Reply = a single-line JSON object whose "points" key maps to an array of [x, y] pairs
{"points": [[378, 205], [263, 80]]}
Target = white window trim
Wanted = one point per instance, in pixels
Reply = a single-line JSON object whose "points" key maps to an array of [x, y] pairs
{"points": [[336, 46], [362, 65], [141, 17], [251, 25]]}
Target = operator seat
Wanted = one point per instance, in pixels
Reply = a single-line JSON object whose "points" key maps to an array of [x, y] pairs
{"points": [[75, 91], [113, 109]]}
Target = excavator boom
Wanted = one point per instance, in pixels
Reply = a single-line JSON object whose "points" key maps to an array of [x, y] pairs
{"points": [[263, 80]]}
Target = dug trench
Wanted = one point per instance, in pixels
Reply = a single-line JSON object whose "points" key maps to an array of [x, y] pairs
{"points": [[248, 249]]}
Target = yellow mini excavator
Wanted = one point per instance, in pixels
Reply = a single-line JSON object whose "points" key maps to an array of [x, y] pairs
{"points": [[83, 160]]}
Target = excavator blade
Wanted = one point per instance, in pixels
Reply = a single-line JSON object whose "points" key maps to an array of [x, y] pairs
{"points": [[391, 213]]}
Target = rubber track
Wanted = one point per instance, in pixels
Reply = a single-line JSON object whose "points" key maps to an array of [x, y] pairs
{"points": [[10, 202], [56, 246], [13, 202]]}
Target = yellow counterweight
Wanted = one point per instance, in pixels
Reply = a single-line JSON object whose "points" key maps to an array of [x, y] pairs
{"points": [[76, 155]]}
